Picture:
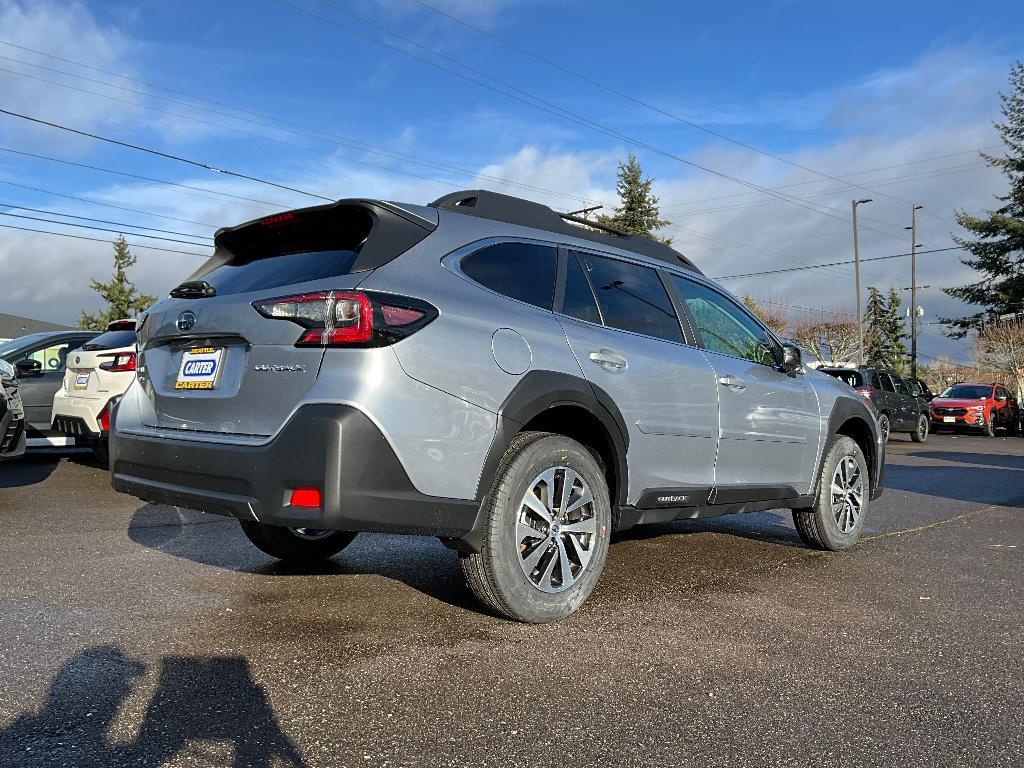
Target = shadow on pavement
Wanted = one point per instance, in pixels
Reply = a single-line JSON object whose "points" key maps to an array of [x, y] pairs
{"points": [[984, 485], [419, 562], [994, 460], [29, 469], [212, 699]]}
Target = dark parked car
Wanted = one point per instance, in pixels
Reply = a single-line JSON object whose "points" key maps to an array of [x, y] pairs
{"points": [[40, 361], [12, 415], [899, 410]]}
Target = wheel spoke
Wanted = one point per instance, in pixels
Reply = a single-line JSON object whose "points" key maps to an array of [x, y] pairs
{"points": [[524, 531], [587, 525], [549, 569], [530, 561], [581, 553], [584, 498], [537, 506], [564, 564]]}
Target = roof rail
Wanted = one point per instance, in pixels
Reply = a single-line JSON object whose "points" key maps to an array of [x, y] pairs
{"points": [[526, 213]]}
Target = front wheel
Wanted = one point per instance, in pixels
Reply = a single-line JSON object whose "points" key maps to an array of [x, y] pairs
{"points": [[836, 520], [920, 434], [296, 544], [547, 521], [989, 429]]}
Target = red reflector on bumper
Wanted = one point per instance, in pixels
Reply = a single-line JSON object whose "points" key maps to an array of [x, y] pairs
{"points": [[304, 497]]}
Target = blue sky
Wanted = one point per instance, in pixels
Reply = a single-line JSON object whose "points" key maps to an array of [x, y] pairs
{"points": [[899, 95]]}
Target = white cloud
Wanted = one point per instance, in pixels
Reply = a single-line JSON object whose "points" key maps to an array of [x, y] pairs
{"points": [[70, 31]]}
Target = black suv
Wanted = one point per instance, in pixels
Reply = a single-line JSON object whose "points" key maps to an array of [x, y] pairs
{"points": [[900, 406]]}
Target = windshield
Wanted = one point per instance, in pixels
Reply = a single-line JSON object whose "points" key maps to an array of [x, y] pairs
{"points": [[16, 345], [968, 391]]}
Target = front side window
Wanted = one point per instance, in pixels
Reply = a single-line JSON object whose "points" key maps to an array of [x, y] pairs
{"points": [[724, 327], [631, 297], [52, 358], [523, 271]]}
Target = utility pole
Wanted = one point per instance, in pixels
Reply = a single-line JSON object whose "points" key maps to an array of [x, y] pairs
{"points": [[856, 277], [913, 290]]}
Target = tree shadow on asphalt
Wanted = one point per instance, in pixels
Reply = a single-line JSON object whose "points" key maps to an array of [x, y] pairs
{"points": [[419, 562], [990, 484], [197, 699], [994, 460]]}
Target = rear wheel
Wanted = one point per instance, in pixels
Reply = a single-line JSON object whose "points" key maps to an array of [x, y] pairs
{"points": [[836, 520], [547, 518], [883, 426], [296, 544], [920, 434]]}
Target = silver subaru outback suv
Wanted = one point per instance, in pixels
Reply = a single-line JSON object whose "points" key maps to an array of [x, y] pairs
{"points": [[487, 371]]}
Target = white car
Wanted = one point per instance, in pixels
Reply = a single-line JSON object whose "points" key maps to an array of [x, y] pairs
{"points": [[96, 377]]}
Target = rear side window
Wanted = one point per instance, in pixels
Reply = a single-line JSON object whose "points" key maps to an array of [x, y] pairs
{"points": [[523, 271], [111, 340], [852, 378], [579, 299], [631, 297], [886, 382], [900, 386]]}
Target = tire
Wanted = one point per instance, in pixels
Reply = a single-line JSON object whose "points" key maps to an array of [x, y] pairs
{"points": [[101, 450], [521, 569], [989, 430], [823, 527], [884, 425], [296, 544], [920, 434]]}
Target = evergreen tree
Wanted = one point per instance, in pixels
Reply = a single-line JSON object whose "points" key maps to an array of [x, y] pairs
{"points": [[638, 208], [997, 248], [884, 345], [876, 330], [119, 294]]}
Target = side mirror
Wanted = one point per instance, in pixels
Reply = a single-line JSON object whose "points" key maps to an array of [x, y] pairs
{"points": [[792, 359], [28, 367]]}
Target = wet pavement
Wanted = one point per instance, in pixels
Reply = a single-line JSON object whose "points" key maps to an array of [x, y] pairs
{"points": [[136, 635]]}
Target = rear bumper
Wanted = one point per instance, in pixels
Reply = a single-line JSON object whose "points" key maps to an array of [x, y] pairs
{"points": [[77, 415], [332, 447]]}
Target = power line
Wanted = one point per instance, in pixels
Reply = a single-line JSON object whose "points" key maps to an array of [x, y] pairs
{"points": [[834, 264], [543, 105], [105, 205], [167, 155], [273, 122], [99, 229], [143, 178], [101, 240], [15, 206]]}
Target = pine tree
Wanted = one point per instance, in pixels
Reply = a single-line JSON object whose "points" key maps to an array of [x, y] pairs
{"points": [[119, 294], [884, 345], [876, 332], [638, 210], [997, 250]]}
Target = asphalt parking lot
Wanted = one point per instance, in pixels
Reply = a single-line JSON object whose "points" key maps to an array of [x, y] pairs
{"points": [[139, 635]]}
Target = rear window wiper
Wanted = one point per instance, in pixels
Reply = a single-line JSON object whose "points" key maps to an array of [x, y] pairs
{"points": [[194, 289]]}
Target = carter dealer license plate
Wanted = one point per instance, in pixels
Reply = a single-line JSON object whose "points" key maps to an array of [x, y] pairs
{"points": [[199, 369]]}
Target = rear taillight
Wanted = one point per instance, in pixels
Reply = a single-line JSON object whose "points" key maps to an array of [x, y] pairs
{"points": [[310, 498], [866, 391], [104, 420], [349, 318], [119, 362]]}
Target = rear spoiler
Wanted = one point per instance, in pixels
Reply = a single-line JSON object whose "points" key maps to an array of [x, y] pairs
{"points": [[394, 230]]}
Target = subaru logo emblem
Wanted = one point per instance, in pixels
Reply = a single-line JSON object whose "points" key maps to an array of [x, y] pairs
{"points": [[186, 321]]}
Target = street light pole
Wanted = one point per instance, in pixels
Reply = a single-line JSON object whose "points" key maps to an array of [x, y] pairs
{"points": [[856, 277], [913, 290]]}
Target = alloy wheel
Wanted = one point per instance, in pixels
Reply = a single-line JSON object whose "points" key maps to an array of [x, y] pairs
{"points": [[556, 529], [847, 493]]}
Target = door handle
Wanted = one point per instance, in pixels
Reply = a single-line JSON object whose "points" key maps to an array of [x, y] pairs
{"points": [[608, 360], [732, 382]]}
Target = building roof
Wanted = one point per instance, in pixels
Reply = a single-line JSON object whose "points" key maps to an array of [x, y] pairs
{"points": [[12, 326]]}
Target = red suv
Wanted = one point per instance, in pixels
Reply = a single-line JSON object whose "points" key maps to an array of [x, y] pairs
{"points": [[987, 407]]}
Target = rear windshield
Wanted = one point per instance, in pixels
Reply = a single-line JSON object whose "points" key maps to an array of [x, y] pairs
{"points": [[111, 340], [968, 391], [853, 378], [287, 249]]}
